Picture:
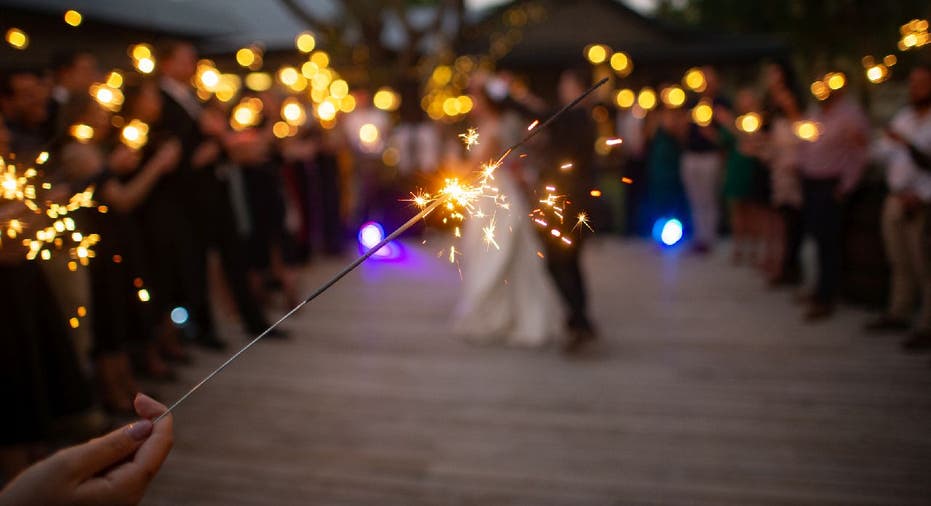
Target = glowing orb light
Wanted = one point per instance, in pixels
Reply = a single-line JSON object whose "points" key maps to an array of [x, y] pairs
{"points": [[370, 234], [668, 231], [179, 315]]}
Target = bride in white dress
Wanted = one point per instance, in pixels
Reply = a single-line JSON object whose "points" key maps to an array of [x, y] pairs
{"points": [[507, 294]]}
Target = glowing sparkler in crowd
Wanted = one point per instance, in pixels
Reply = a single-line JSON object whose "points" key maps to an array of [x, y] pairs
{"points": [[749, 123], [135, 134], [62, 233], [470, 138], [426, 208]]}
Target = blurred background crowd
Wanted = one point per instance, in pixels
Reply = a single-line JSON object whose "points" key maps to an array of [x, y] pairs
{"points": [[212, 188]]}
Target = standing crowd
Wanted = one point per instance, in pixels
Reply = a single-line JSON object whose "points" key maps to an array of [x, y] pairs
{"points": [[790, 174], [200, 199]]}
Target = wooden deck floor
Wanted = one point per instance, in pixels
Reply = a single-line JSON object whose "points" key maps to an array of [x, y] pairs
{"points": [[706, 389]]}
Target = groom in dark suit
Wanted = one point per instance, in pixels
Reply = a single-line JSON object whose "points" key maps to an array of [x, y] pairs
{"points": [[572, 139]]}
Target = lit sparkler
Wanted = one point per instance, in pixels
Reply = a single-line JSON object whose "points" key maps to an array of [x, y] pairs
{"points": [[470, 138], [462, 192]]}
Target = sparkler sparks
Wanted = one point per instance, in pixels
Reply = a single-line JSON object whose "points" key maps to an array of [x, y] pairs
{"points": [[63, 232], [470, 138], [425, 210]]}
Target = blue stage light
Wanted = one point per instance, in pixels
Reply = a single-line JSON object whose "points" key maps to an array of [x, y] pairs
{"points": [[179, 315], [370, 234], [667, 231]]}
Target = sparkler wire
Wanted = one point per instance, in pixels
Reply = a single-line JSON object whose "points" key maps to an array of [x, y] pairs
{"points": [[371, 251]]}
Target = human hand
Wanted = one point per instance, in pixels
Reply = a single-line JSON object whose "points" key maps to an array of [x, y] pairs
{"points": [[894, 135], [167, 156], [110, 470], [205, 154], [123, 159]]}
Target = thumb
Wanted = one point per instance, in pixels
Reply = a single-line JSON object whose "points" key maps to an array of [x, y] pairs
{"points": [[103, 452]]}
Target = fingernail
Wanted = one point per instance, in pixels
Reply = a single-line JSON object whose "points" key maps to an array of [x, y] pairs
{"points": [[140, 430]]}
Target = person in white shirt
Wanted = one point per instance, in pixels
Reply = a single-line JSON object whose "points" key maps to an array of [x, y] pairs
{"points": [[904, 215]]}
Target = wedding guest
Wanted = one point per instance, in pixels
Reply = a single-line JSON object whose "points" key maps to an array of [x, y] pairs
{"points": [[782, 155], [745, 180], [905, 215], [831, 165], [702, 166], [178, 228], [572, 138], [40, 374]]}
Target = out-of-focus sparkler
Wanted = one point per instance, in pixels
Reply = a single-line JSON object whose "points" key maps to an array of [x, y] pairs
{"points": [[426, 209], [470, 138]]}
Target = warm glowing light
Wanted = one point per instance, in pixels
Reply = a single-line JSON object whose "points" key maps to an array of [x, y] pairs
{"points": [[209, 79], [339, 89], [749, 122], [305, 42], [694, 80], [877, 73], [114, 79], [442, 75], [807, 130], [702, 113], [326, 110], [82, 132], [245, 57], [281, 129], [627, 180], [108, 98], [647, 98], [135, 134], [73, 17], [673, 96], [835, 80], [293, 112], [321, 59], [368, 133], [17, 38], [614, 142], [620, 62], [143, 295], [145, 65], [597, 53], [820, 90], [288, 76], [258, 81], [247, 113], [140, 51], [595, 193], [625, 98], [386, 99]]}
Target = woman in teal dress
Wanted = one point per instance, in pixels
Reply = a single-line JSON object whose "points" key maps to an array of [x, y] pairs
{"points": [[745, 178], [665, 195]]}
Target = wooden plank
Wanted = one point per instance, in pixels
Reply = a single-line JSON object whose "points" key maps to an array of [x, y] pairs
{"points": [[705, 389]]}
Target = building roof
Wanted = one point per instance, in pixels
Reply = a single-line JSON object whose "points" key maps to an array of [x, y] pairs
{"points": [[568, 27]]}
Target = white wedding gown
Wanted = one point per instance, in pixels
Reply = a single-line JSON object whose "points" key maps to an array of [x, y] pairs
{"points": [[508, 296]]}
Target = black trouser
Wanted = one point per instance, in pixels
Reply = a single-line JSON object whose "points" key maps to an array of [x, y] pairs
{"points": [[232, 249], [793, 234], [564, 265], [40, 376], [823, 215]]}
